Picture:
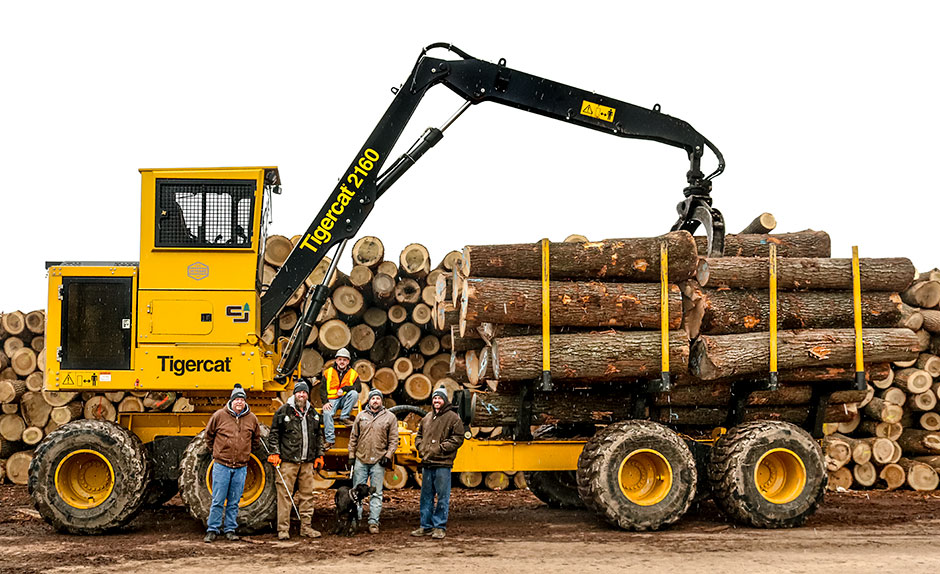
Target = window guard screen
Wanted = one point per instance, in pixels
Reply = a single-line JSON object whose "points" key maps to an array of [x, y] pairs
{"points": [[204, 213]]}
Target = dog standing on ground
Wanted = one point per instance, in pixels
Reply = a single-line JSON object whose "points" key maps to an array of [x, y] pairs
{"points": [[348, 501]]}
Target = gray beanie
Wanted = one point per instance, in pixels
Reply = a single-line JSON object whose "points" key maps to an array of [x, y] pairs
{"points": [[375, 393], [440, 391], [238, 392], [301, 386]]}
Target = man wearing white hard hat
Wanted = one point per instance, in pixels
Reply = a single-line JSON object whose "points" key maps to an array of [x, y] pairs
{"points": [[339, 393]]}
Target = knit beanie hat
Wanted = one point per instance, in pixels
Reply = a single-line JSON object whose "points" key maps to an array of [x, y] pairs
{"points": [[238, 393], [375, 393], [440, 391], [301, 386]]}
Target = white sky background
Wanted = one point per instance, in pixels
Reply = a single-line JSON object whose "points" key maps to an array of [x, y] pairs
{"points": [[826, 114]]}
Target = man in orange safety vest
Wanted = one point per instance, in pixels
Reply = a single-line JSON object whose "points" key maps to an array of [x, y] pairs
{"points": [[339, 391]]}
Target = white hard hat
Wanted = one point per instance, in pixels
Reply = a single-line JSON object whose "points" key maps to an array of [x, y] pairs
{"points": [[343, 353]]}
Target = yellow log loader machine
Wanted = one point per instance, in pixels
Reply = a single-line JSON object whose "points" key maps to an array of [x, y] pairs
{"points": [[189, 315]]}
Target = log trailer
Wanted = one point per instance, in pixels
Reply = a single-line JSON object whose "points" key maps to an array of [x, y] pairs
{"points": [[188, 317]]}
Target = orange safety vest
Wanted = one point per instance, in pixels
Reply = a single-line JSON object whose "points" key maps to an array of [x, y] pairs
{"points": [[333, 383]]}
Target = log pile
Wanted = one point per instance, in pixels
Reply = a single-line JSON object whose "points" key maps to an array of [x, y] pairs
{"points": [[899, 420]]}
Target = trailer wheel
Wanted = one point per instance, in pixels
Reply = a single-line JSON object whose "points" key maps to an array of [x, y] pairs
{"points": [[89, 476], [768, 474], [257, 509], [637, 474]]}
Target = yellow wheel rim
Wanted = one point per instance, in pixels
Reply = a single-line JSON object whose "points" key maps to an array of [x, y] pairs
{"points": [[254, 481], [645, 477], [84, 478], [780, 475]]}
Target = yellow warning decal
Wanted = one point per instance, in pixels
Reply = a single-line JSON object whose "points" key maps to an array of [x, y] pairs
{"points": [[592, 110]]}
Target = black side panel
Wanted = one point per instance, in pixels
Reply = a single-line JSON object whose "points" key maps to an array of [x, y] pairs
{"points": [[96, 322]]}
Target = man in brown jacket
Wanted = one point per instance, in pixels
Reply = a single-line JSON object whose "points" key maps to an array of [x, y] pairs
{"points": [[440, 434], [372, 444], [232, 433]]}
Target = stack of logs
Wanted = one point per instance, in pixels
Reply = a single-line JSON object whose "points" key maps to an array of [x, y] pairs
{"points": [[894, 439], [29, 413]]}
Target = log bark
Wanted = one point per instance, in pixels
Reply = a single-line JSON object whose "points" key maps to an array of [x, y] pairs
{"points": [[579, 304], [893, 274], [719, 394], [883, 411], [929, 363], [892, 395], [59, 398], [885, 381], [931, 322], [806, 243], [11, 390], [502, 408], [920, 476], [728, 312], [763, 223], [911, 318], [720, 356], [694, 416], [605, 356], [892, 476], [17, 468], [368, 251], [919, 442], [626, 259], [921, 402]]}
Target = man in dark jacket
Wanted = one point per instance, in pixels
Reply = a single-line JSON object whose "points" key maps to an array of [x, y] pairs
{"points": [[232, 433], [372, 444], [296, 448], [440, 434]]}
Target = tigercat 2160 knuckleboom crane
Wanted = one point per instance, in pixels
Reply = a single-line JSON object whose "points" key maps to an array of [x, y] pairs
{"points": [[188, 317]]}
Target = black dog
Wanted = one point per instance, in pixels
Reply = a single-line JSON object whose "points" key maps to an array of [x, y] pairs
{"points": [[348, 501]]}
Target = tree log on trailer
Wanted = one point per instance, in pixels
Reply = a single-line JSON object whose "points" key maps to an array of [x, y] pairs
{"points": [[694, 416], [580, 304], [626, 259], [605, 356], [501, 408], [721, 356], [737, 311], [806, 243], [802, 273]]}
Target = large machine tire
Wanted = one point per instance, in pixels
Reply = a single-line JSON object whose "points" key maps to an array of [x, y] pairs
{"points": [[637, 474], [557, 489], [767, 474], [258, 508], [89, 476]]}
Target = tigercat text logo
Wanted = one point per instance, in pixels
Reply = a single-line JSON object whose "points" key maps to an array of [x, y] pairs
{"points": [[179, 367]]}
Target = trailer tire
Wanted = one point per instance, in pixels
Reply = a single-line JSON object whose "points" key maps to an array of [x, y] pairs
{"points": [[557, 489], [160, 492], [637, 475], [258, 507], [768, 474], [89, 477]]}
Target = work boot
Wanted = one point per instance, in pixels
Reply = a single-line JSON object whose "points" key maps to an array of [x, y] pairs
{"points": [[437, 534], [346, 421], [309, 532], [421, 532], [231, 536], [210, 536], [373, 529], [328, 446], [283, 535]]}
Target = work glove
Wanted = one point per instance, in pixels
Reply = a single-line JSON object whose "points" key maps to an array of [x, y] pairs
{"points": [[318, 462], [275, 459], [386, 463], [352, 461]]}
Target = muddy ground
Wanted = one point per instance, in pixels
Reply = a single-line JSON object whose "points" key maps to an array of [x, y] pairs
{"points": [[497, 532]]}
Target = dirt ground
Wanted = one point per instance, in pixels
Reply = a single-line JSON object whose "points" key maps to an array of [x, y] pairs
{"points": [[497, 532]]}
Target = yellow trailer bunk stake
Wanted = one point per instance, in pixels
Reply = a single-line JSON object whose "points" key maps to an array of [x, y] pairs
{"points": [[665, 383], [860, 383], [546, 320], [774, 382]]}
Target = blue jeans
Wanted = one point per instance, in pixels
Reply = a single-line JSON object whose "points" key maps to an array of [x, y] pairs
{"points": [[435, 482], [227, 485], [375, 473], [345, 405]]}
